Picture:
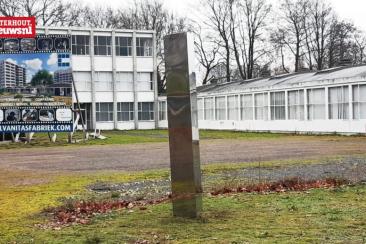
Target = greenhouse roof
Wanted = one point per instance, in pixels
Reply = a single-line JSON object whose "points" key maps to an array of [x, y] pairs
{"points": [[291, 81]]}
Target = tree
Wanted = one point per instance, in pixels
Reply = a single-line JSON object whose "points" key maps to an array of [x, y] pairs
{"points": [[294, 17], [47, 12], [219, 20], [339, 45], [360, 45], [251, 21], [42, 78], [207, 51], [278, 41], [320, 23]]}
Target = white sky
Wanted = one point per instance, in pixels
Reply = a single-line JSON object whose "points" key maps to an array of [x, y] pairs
{"points": [[352, 10]]}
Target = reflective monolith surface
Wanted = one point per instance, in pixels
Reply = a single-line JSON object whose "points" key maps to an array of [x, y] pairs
{"points": [[183, 126]]}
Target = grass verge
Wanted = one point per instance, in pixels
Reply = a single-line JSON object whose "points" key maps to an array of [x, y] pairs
{"points": [[142, 136], [315, 216]]}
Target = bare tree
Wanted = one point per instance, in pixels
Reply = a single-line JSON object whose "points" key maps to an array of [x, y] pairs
{"points": [[219, 20], [207, 51], [234, 26], [320, 23], [278, 41], [47, 12], [308, 47], [253, 14], [360, 44], [339, 45], [293, 27]]}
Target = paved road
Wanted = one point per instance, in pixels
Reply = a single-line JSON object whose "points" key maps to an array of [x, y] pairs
{"points": [[156, 155]]}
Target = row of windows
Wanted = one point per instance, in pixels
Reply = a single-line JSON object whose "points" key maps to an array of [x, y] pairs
{"points": [[125, 111], [257, 106], [103, 46], [104, 76]]}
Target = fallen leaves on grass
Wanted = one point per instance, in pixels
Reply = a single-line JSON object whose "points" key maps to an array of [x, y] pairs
{"points": [[81, 212], [291, 184]]}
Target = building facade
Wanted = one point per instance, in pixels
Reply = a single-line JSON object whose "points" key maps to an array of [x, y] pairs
{"points": [[62, 76], [11, 75], [329, 101], [115, 76]]}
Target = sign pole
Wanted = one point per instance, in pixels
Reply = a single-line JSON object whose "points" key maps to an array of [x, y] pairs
{"points": [[183, 126]]}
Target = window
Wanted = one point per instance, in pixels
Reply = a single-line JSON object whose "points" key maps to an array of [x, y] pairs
{"points": [[144, 77], [80, 45], [278, 106], [104, 112], [359, 102], [102, 45], [220, 108], [123, 46], [143, 47], [146, 111], [296, 105], [102, 76], [125, 111], [200, 110], [124, 77], [338, 102], [82, 76], [261, 106], [246, 104], [144, 81], [209, 108], [162, 110], [232, 107], [316, 104]]}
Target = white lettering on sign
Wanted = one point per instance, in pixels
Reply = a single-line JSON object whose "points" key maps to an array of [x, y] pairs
{"points": [[1, 115]]}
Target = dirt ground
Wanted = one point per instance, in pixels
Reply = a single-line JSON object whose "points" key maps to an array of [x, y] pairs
{"points": [[136, 157]]}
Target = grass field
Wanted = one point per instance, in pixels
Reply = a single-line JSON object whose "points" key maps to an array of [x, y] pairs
{"points": [[316, 216], [140, 136], [321, 216]]}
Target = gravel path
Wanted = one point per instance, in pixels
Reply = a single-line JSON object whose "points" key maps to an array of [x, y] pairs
{"points": [[134, 157], [352, 168]]}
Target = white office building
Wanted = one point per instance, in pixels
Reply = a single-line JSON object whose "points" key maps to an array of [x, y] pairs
{"points": [[328, 101], [62, 76], [115, 76], [11, 75]]}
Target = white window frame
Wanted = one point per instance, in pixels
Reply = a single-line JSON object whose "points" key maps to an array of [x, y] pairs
{"points": [[120, 111], [298, 106], [263, 108], [110, 113]]}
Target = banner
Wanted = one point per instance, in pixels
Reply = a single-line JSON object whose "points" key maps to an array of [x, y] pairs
{"points": [[17, 27], [36, 84]]}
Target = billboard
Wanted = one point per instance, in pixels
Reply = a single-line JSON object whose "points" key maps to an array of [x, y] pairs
{"points": [[36, 84]]}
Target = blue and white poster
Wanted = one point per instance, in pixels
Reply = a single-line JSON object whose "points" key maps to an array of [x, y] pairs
{"points": [[36, 84]]}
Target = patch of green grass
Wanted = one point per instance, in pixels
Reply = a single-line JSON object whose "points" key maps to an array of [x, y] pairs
{"points": [[19, 203], [113, 137], [319, 216], [222, 167], [137, 136]]}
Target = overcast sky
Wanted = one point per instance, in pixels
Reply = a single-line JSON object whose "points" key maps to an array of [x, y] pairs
{"points": [[353, 10]]}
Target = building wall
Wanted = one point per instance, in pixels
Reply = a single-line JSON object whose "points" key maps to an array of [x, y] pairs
{"points": [[339, 108], [103, 79], [11, 75]]}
